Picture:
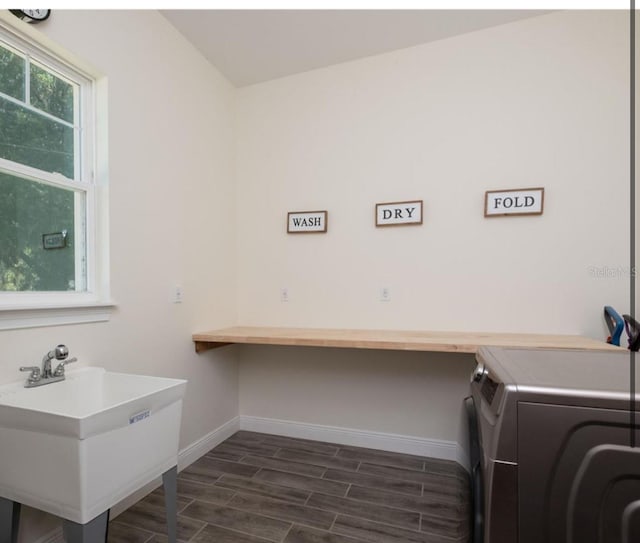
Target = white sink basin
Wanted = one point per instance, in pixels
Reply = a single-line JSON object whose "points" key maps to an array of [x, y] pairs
{"points": [[77, 447]]}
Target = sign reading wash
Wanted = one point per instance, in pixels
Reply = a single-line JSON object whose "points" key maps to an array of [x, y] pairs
{"points": [[498, 203], [399, 213], [306, 222]]}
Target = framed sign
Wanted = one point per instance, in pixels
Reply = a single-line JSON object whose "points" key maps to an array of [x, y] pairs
{"points": [[399, 213], [307, 222], [501, 203], [56, 240]]}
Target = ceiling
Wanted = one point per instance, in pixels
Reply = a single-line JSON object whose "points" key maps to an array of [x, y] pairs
{"points": [[252, 46]]}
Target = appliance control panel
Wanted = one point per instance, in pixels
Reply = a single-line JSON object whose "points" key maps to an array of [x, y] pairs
{"points": [[488, 389], [488, 386]]}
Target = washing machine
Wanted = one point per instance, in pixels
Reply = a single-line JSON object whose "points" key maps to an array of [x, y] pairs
{"points": [[554, 446]]}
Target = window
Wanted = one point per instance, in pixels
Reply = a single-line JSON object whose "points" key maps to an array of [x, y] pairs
{"points": [[48, 190]]}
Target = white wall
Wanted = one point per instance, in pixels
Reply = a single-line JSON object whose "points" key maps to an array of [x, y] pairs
{"points": [[394, 393], [540, 102], [172, 211]]}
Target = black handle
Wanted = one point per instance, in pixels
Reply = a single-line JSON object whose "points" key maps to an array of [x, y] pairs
{"points": [[633, 331]]}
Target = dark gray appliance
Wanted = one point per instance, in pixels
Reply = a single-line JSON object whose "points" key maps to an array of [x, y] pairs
{"points": [[551, 460]]}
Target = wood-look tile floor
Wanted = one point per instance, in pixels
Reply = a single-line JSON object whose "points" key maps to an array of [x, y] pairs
{"points": [[257, 488]]}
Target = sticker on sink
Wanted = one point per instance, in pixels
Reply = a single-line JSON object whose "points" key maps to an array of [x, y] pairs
{"points": [[139, 416]]}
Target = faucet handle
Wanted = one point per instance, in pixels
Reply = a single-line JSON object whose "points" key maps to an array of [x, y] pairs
{"points": [[60, 367], [35, 373]]}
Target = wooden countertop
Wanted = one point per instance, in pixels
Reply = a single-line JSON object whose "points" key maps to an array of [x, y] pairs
{"points": [[399, 340]]}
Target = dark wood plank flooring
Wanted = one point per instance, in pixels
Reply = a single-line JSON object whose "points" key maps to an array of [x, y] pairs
{"points": [[257, 488]]}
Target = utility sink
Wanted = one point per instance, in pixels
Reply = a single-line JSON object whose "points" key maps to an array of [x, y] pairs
{"points": [[77, 447]]}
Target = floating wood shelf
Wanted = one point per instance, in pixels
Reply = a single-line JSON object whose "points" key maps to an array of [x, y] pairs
{"points": [[398, 340]]}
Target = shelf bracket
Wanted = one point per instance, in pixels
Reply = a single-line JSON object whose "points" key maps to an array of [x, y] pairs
{"points": [[202, 346]]}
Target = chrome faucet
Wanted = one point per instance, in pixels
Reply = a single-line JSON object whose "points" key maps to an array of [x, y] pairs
{"points": [[44, 376], [59, 353]]}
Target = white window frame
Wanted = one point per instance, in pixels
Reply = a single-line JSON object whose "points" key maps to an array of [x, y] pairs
{"points": [[92, 303]]}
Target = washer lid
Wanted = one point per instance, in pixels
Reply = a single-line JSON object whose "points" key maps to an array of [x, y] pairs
{"points": [[605, 373]]}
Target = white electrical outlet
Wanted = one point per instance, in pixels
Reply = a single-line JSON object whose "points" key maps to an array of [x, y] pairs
{"points": [[177, 294], [385, 294], [284, 294]]}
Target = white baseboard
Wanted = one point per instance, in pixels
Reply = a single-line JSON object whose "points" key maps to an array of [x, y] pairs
{"points": [[202, 446], [420, 446]]}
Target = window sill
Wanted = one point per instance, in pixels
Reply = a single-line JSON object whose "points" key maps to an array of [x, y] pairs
{"points": [[13, 318]]}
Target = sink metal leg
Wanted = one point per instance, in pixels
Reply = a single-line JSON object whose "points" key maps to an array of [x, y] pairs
{"points": [[94, 531], [9, 520], [170, 483]]}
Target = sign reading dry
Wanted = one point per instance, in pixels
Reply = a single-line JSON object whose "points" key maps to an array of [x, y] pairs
{"points": [[399, 213]]}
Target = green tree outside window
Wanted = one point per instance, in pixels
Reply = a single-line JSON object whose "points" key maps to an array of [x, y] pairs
{"points": [[37, 111]]}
